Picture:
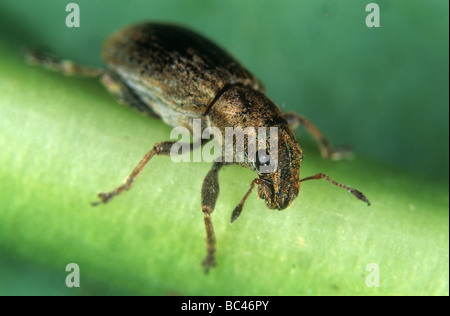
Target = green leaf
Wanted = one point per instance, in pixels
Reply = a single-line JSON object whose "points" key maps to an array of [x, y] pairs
{"points": [[65, 139]]}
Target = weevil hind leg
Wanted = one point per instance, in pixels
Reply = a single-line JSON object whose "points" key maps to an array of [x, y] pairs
{"points": [[110, 81], [66, 67], [114, 84], [209, 195], [326, 150]]}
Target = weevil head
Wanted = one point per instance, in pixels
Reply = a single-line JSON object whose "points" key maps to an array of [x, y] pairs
{"points": [[278, 167], [277, 155]]}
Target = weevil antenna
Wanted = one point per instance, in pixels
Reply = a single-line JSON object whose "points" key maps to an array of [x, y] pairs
{"points": [[237, 211], [358, 194]]}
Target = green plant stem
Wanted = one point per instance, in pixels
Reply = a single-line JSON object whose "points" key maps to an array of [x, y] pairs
{"points": [[64, 139]]}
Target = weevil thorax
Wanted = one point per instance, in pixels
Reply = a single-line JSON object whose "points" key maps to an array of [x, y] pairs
{"points": [[277, 157]]}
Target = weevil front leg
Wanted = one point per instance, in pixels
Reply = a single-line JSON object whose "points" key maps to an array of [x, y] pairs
{"points": [[159, 149], [210, 192], [326, 150]]}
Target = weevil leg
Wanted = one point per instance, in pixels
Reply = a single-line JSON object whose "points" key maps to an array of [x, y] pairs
{"points": [[66, 67], [111, 81], [327, 151], [210, 192], [115, 85], [159, 149]]}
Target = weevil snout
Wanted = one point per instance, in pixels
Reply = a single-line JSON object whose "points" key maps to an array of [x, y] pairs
{"points": [[276, 193], [279, 201], [280, 188]]}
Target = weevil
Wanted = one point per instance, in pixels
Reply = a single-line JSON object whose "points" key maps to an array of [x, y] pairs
{"points": [[174, 74]]}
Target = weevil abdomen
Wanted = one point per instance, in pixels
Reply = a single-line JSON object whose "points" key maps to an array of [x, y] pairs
{"points": [[174, 71]]}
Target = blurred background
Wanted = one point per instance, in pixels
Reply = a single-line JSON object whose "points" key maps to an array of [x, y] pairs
{"points": [[383, 90]]}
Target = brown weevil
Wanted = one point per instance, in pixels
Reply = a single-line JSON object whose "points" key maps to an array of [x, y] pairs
{"points": [[172, 73]]}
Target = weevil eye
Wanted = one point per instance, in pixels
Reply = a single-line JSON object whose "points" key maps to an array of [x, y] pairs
{"points": [[264, 162], [262, 158]]}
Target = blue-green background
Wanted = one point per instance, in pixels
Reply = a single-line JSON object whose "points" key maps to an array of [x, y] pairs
{"points": [[382, 90]]}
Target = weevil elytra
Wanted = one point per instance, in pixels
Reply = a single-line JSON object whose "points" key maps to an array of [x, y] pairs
{"points": [[172, 73]]}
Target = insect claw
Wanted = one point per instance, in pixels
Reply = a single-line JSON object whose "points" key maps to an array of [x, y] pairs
{"points": [[104, 198], [341, 153], [208, 263]]}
